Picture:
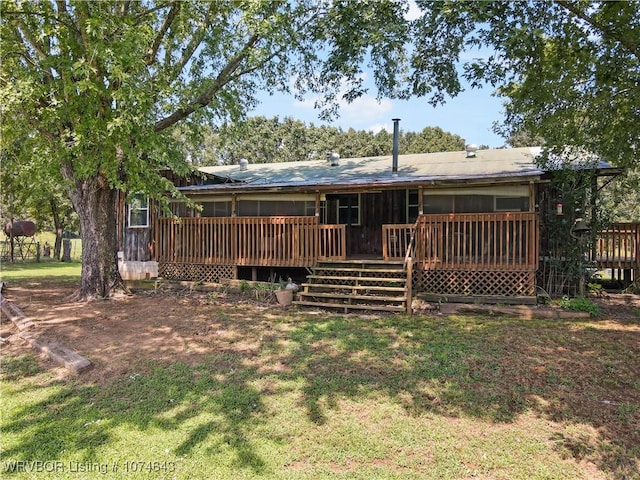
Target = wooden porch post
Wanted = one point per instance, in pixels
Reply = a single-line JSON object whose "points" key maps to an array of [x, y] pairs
{"points": [[234, 232]]}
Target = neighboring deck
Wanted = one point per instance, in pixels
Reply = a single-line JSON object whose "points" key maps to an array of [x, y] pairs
{"points": [[618, 247]]}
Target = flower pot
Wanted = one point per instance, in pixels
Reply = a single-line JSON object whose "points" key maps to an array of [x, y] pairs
{"points": [[284, 297]]}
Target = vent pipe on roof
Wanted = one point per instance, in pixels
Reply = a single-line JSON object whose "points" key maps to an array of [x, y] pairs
{"points": [[333, 158], [244, 163], [396, 134], [471, 150]]}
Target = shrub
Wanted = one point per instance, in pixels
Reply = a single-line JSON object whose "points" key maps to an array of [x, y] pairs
{"points": [[580, 305]]}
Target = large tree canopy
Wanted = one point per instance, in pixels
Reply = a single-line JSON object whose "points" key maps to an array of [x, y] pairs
{"points": [[569, 70], [98, 86]]}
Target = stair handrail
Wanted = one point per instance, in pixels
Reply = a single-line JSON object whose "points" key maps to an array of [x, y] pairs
{"points": [[408, 267], [408, 256]]}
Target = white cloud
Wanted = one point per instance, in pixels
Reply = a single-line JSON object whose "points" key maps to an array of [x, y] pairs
{"points": [[362, 110], [378, 127], [365, 109]]}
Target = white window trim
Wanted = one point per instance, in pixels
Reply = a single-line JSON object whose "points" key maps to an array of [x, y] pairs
{"points": [[145, 209]]}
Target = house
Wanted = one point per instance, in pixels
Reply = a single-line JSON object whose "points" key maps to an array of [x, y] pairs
{"points": [[450, 223]]}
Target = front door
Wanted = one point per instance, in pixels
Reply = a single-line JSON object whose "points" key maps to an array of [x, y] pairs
{"points": [[363, 215]]}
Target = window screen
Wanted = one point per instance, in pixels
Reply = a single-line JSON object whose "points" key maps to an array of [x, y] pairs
{"points": [[216, 209], [139, 211]]}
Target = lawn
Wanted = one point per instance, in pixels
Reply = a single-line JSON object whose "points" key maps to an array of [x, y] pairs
{"points": [[21, 271], [212, 386]]}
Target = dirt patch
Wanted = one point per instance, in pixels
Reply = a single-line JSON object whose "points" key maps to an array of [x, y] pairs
{"points": [[625, 307], [120, 335]]}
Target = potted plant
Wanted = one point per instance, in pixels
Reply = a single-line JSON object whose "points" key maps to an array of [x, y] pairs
{"points": [[285, 294]]}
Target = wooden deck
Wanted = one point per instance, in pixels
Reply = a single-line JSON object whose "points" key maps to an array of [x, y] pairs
{"points": [[497, 241], [485, 254], [618, 247], [485, 241], [256, 241]]}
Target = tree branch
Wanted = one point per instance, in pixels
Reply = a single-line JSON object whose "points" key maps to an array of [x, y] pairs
{"points": [[631, 46], [78, 33], [171, 16], [205, 97]]}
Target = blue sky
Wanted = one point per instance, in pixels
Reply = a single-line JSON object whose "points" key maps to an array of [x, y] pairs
{"points": [[471, 114]]}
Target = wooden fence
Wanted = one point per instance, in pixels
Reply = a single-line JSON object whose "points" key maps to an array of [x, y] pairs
{"points": [[259, 241]]}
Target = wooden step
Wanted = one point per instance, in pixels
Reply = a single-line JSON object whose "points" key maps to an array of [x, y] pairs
{"points": [[362, 261], [331, 286], [359, 279], [346, 306], [360, 270], [362, 264], [367, 298]]}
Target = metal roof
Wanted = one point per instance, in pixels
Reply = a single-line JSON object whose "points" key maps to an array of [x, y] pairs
{"points": [[443, 167]]}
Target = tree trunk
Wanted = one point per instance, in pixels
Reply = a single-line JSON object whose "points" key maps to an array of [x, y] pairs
{"points": [[95, 203], [59, 226]]}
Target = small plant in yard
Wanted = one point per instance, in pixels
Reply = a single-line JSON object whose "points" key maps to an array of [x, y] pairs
{"points": [[580, 305], [596, 289]]}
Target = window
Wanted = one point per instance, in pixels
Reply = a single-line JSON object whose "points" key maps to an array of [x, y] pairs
{"points": [[216, 209], [412, 206], [267, 208], [474, 204], [512, 204], [349, 209], [139, 211], [434, 204]]}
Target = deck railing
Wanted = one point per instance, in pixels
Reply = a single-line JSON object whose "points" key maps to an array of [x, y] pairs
{"points": [[483, 241], [395, 240], [618, 246], [268, 241]]}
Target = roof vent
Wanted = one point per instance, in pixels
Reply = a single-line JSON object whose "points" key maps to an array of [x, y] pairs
{"points": [[471, 149], [244, 163], [333, 158]]}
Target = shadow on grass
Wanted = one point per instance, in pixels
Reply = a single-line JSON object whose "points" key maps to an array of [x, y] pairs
{"points": [[83, 418], [491, 369]]}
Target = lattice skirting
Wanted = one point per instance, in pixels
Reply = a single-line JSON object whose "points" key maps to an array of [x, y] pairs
{"points": [[452, 282], [196, 272]]}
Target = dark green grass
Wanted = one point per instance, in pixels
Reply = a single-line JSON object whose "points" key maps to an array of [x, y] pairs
{"points": [[296, 396]]}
